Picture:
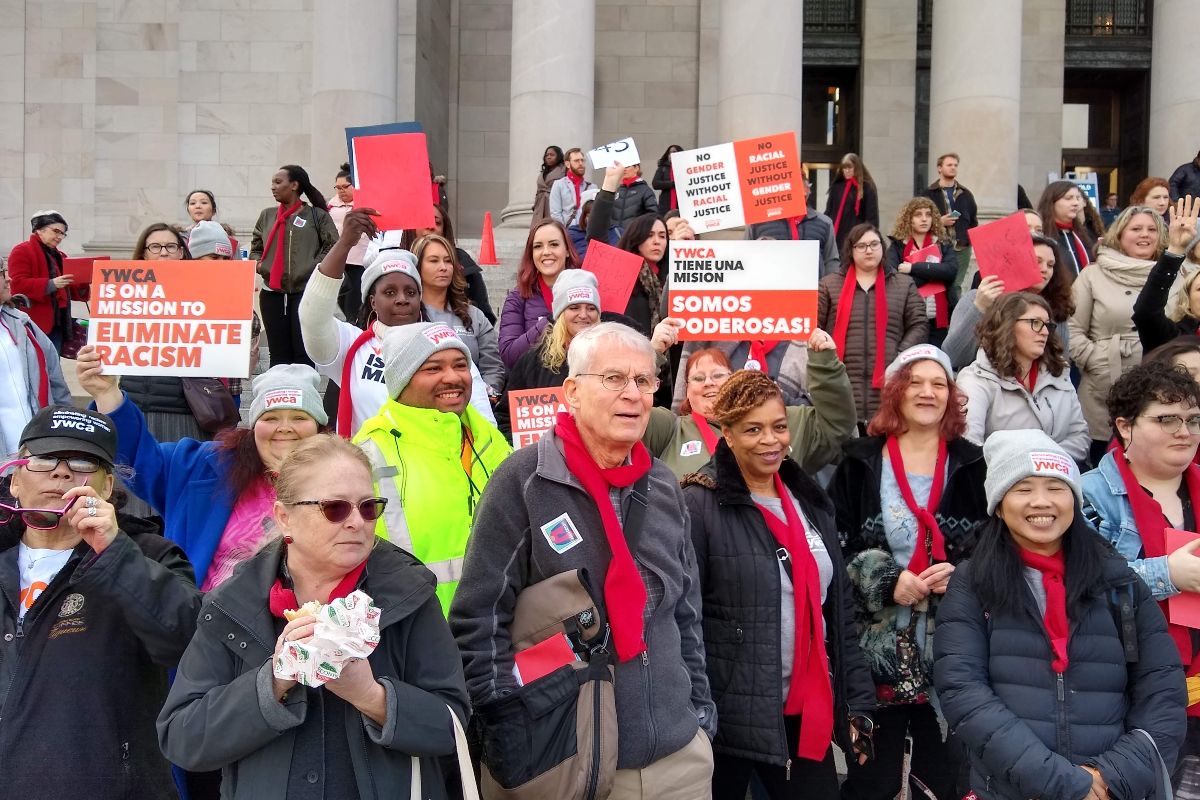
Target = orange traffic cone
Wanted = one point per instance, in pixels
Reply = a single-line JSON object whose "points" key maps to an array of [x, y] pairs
{"points": [[487, 243]]}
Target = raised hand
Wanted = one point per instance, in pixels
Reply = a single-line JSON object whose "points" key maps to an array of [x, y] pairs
{"points": [[1182, 229]]}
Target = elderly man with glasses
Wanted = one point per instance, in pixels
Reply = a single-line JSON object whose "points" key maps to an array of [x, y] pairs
{"points": [[588, 496], [93, 612]]}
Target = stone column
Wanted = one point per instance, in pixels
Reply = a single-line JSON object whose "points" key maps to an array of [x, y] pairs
{"points": [[1042, 49], [760, 63], [353, 78], [889, 100], [551, 91], [975, 97], [1174, 93]]}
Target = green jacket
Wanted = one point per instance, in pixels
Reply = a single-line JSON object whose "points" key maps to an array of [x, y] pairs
{"points": [[306, 242], [416, 454], [818, 431]]}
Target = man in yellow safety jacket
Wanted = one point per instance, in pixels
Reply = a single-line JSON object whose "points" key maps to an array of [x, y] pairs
{"points": [[432, 452]]}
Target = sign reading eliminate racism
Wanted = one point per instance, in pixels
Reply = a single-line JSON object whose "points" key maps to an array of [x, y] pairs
{"points": [[737, 290], [740, 183], [186, 319], [532, 412]]}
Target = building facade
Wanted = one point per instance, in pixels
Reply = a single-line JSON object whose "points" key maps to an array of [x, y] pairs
{"points": [[112, 110]]}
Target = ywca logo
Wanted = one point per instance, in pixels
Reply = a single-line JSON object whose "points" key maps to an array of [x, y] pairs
{"points": [[438, 334], [397, 266], [582, 295], [1052, 462], [279, 397]]}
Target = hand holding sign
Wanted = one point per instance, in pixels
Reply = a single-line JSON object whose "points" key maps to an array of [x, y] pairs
{"points": [[1004, 249], [624, 151]]}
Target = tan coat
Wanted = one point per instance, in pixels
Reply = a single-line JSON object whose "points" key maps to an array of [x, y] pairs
{"points": [[1103, 342], [906, 327], [541, 198]]}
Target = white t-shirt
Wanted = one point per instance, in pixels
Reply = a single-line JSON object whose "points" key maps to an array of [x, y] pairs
{"points": [[369, 392], [14, 393], [37, 566]]}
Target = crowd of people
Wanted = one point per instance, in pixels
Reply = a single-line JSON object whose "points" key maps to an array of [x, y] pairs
{"points": [[941, 534]]}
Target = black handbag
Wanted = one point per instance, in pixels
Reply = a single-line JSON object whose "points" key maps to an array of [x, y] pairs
{"points": [[211, 404]]}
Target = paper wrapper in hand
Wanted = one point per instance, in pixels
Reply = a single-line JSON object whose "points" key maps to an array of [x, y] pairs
{"points": [[347, 629]]}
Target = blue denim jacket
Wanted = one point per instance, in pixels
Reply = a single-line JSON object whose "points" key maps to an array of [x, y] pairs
{"points": [[1106, 505]]}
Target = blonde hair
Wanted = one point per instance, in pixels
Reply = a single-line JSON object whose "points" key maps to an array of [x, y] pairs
{"points": [[1180, 303], [1112, 237], [554, 344], [313, 455]]}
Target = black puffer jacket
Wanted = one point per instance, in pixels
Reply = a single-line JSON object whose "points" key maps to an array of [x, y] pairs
{"points": [[631, 202], [1027, 728], [156, 393], [739, 582], [1154, 327]]}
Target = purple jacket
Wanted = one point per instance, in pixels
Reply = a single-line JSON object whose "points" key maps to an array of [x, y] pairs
{"points": [[521, 324]]}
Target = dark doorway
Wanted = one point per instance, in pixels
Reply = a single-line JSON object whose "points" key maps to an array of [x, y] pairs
{"points": [[1105, 127]]}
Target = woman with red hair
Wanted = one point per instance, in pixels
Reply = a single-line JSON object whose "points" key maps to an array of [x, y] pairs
{"points": [[526, 311], [908, 498], [1155, 193]]}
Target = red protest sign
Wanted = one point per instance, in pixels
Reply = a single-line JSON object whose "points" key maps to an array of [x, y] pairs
{"points": [[81, 268], [1004, 248], [616, 271], [393, 179], [926, 255], [532, 412], [1184, 608]]}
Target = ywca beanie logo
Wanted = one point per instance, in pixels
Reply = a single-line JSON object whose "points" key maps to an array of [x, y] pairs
{"points": [[1052, 462], [281, 397], [581, 295], [438, 334]]}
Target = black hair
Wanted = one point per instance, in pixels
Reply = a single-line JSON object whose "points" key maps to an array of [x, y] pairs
{"points": [[996, 565], [45, 218], [300, 176], [409, 237], [187, 198], [344, 172], [558, 152], [1149, 382], [665, 159]]}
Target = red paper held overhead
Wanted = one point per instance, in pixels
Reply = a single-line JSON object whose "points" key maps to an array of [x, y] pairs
{"points": [[1184, 608], [616, 271], [393, 176], [1004, 248]]}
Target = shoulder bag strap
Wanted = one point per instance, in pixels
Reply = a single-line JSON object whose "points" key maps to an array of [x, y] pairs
{"points": [[466, 772]]}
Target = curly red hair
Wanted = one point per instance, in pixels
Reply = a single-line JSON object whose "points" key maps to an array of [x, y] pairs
{"points": [[889, 421]]}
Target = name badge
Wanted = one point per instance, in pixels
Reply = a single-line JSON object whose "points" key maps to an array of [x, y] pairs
{"points": [[561, 534], [690, 448]]}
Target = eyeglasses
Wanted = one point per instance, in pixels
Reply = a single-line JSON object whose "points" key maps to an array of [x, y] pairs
{"points": [[700, 378], [616, 382], [863, 247], [80, 464], [59, 232], [370, 509], [1171, 423], [170, 249], [1036, 325]]}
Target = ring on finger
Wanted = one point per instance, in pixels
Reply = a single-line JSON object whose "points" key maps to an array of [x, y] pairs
{"points": [[91, 512], [91, 502]]}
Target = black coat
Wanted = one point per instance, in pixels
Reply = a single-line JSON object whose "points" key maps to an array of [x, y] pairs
{"points": [[161, 393], [928, 271], [1024, 727], [83, 675], [739, 583], [664, 181], [964, 204], [477, 291], [1150, 318], [868, 209], [632, 201]]}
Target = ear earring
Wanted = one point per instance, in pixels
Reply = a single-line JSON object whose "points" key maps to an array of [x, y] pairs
{"points": [[287, 540]]}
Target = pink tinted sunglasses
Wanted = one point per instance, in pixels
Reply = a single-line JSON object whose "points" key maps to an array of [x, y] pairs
{"points": [[41, 519]]}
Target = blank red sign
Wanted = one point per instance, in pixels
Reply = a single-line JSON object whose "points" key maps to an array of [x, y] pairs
{"points": [[393, 177]]}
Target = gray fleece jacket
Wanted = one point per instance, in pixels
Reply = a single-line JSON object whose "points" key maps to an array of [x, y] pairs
{"points": [[661, 696]]}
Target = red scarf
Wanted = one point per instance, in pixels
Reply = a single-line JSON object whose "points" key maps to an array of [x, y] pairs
{"points": [[577, 181], [759, 350], [911, 246], [809, 694], [794, 225], [627, 182], [547, 295], [1151, 525], [842, 323], [706, 432], [284, 599], [850, 184], [1081, 255], [1031, 381], [672, 199], [345, 412], [624, 592], [1054, 584], [930, 545], [279, 260]]}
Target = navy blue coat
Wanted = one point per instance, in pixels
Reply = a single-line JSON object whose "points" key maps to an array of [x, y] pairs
{"points": [[1027, 729]]}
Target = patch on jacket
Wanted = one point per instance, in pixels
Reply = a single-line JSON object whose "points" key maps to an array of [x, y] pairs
{"points": [[299, 222], [66, 626], [72, 605], [690, 448], [561, 533]]}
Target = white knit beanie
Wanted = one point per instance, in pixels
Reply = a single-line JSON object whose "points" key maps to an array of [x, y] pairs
{"points": [[919, 352], [208, 238], [288, 386], [574, 286], [1013, 456], [407, 347]]}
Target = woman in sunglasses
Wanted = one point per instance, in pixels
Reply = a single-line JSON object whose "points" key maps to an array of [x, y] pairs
{"points": [[1020, 377], [1053, 663], [1149, 483], [215, 497], [357, 735], [92, 615], [778, 607]]}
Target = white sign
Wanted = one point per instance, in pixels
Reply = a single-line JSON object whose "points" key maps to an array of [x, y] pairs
{"points": [[624, 152]]}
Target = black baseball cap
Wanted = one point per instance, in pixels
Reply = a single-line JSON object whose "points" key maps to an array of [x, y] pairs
{"points": [[66, 429]]}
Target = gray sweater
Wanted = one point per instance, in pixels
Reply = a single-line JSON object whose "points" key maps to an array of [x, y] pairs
{"points": [[661, 697]]}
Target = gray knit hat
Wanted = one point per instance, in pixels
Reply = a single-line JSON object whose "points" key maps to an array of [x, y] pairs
{"points": [[919, 352], [390, 261], [407, 347], [288, 386], [208, 238], [574, 286], [1013, 456]]}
